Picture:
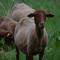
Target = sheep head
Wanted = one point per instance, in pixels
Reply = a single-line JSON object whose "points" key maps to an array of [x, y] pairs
{"points": [[40, 17]]}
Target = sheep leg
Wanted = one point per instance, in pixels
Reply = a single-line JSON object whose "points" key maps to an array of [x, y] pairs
{"points": [[17, 53], [41, 55], [29, 57]]}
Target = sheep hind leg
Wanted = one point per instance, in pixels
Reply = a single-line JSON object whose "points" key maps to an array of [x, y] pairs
{"points": [[41, 55], [17, 53], [29, 57]]}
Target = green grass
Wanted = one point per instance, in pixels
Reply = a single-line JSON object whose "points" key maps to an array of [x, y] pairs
{"points": [[52, 51]]}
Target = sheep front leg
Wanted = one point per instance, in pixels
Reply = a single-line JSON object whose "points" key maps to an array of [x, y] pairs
{"points": [[17, 53], [41, 55], [29, 57]]}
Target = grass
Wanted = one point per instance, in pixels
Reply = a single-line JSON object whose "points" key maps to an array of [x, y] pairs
{"points": [[52, 25]]}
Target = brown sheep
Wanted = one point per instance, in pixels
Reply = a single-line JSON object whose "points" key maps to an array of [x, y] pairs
{"points": [[30, 35], [7, 27]]}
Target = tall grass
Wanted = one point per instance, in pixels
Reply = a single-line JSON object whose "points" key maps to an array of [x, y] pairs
{"points": [[52, 25]]}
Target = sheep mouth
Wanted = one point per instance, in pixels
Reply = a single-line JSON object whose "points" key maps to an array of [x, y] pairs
{"points": [[41, 26]]}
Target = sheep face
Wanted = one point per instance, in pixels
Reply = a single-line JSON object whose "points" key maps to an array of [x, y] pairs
{"points": [[40, 17]]}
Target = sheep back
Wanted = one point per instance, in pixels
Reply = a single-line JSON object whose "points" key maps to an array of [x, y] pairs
{"points": [[20, 10]]}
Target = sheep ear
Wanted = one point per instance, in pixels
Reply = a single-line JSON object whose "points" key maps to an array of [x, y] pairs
{"points": [[31, 15], [50, 15]]}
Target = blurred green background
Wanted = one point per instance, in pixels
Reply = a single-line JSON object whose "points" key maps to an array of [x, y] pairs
{"points": [[52, 25]]}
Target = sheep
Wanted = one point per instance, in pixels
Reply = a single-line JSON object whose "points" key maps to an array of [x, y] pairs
{"points": [[19, 11], [30, 35], [7, 27]]}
